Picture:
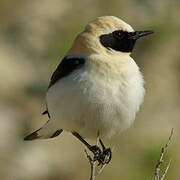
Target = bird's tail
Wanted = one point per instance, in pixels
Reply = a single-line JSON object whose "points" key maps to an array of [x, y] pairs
{"points": [[45, 132]]}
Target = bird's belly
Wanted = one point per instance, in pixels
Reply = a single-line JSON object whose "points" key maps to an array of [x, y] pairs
{"points": [[89, 108]]}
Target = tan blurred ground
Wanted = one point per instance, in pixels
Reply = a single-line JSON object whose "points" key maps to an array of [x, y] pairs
{"points": [[34, 36]]}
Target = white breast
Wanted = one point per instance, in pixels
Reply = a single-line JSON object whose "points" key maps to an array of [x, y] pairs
{"points": [[96, 99]]}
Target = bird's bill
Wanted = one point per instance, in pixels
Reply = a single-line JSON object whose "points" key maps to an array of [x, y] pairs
{"points": [[137, 34]]}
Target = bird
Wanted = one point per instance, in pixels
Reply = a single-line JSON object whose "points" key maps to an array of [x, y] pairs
{"points": [[97, 88]]}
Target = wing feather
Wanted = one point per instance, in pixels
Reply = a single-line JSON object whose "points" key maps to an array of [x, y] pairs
{"points": [[67, 66]]}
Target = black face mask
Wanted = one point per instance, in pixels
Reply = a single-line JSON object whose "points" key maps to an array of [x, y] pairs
{"points": [[121, 40]]}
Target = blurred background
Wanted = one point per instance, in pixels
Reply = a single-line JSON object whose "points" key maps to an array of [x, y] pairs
{"points": [[34, 36]]}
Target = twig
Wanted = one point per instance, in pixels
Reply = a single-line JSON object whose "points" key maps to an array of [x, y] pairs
{"points": [[92, 160], [97, 140], [92, 164], [160, 161], [166, 170]]}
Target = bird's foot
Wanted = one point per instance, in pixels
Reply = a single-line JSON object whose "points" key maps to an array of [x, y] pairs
{"points": [[96, 151], [103, 155]]}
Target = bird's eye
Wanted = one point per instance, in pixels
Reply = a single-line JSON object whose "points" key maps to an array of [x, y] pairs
{"points": [[118, 34]]}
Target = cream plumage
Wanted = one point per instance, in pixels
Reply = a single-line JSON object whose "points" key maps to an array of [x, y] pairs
{"points": [[97, 88]]}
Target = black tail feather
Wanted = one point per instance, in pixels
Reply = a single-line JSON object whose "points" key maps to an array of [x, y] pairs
{"points": [[57, 133], [44, 132], [32, 136], [35, 135]]}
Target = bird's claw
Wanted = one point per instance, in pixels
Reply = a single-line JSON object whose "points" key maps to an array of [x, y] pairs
{"points": [[96, 151], [103, 156]]}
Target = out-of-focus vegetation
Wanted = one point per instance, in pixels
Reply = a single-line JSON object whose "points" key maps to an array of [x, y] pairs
{"points": [[34, 36]]}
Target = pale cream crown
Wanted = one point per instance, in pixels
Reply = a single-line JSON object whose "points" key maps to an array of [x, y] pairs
{"points": [[88, 42]]}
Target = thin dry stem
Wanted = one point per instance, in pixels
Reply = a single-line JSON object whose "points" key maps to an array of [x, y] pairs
{"points": [[166, 170], [92, 164], [160, 161]]}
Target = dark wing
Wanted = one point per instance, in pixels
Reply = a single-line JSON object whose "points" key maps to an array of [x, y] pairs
{"points": [[67, 66]]}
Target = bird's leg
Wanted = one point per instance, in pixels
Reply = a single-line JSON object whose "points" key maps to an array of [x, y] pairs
{"points": [[94, 149], [103, 156], [106, 154]]}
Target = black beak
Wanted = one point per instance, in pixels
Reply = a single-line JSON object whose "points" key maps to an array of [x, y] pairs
{"points": [[137, 34]]}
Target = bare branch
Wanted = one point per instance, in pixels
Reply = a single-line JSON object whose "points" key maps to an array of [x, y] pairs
{"points": [[92, 164], [93, 160], [166, 170], [160, 161]]}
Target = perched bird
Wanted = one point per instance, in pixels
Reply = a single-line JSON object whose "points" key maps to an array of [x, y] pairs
{"points": [[97, 88]]}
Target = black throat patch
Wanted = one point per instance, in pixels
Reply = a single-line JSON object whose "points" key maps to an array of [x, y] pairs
{"points": [[118, 40]]}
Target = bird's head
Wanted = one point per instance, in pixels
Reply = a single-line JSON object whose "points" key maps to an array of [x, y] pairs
{"points": [[107, 34]]}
